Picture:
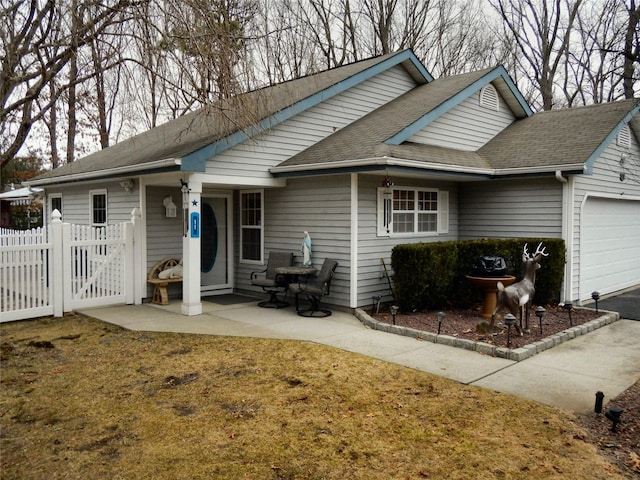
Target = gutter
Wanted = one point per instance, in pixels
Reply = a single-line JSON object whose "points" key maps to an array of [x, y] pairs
{"points": [[110, 172], [394, 162]]}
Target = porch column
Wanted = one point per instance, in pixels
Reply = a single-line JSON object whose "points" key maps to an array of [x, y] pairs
{"points": [[191, 304]]}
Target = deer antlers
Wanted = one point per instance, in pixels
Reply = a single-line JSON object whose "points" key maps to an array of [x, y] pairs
{"points": [[539, 251]]}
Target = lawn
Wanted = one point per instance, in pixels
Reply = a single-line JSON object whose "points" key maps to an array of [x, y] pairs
{"points": [[84, 399]]}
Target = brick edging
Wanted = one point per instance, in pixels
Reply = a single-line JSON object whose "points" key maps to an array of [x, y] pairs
{"points": [[515, 354]]}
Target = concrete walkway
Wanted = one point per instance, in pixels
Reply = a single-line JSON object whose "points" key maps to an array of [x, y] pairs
{"points": [[566, 376]]}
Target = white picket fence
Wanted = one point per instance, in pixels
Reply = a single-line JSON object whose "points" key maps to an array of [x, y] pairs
{"points": [[63, 267]]}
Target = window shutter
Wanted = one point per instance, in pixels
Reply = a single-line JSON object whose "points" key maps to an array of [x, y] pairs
{"points": [[443, 211]]}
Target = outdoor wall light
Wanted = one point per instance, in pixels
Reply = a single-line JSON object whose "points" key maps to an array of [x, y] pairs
{"points": [[540, 313], [614, 414], [127, 185], [441, 316], [510, 320], [568, 306], [170, 208], [596, 296], [394, 311]]}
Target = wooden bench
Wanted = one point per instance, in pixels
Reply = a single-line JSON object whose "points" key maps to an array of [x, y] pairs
{"points": [[160, 295]]}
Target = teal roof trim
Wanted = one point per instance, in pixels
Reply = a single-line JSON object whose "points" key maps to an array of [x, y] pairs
{"points": [[593, 158], [196, 161], [406, 133]]}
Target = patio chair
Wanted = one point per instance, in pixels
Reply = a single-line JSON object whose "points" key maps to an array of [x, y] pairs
{"points": [[314, 288], [272, 283]]}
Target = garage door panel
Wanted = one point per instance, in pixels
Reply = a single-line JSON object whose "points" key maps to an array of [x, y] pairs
{"points": [[609, 246]]}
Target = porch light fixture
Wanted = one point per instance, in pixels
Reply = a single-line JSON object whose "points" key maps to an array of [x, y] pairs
{"points": [[540, 313], [127, 184], [510, 320], [394, 311], [440, 316], [185, 207], [170, 207], [596, 296]]}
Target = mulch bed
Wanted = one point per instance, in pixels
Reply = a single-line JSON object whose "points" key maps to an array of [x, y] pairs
{"points": [[463, 324]]}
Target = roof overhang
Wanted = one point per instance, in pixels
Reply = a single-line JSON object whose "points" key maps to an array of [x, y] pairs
{"points": [[421, 167], [158, 166]]}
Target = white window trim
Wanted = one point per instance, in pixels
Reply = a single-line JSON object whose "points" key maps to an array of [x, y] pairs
{"points": [[442, 222], [260, 227], [92, 193], [51, 197]]}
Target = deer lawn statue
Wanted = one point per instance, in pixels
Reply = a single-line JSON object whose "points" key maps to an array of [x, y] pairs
{"points": [[520, 295]]}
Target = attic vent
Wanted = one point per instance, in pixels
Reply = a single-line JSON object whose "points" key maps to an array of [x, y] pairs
{"points": [[624, 137], [489, 98]]}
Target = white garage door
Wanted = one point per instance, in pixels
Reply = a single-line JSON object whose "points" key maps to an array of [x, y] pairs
{"points": [[610, 246]]}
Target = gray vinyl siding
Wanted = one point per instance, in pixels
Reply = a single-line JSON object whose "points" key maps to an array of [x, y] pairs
{"points": [[164, 235], [76, 202], [604, 181], [467, 126], [253, 158], [372, 248], [319, 205], [511, 209]]}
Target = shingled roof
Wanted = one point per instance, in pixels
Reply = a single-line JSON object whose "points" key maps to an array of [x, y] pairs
{"points": [[164, 145], [565, 140], [557, 137]]}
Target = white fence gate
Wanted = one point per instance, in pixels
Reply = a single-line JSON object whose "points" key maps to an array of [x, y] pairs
{"points": [[62, 267]]}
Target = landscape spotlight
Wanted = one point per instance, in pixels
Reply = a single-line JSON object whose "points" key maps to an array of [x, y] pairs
{"points": [[614, 414], [568, 306], [441, 316], [510, 320], [596, 296], [394, 310], [540, 313]]}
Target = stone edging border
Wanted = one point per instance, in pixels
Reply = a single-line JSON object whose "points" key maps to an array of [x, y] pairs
{"points": [[516, 354]]}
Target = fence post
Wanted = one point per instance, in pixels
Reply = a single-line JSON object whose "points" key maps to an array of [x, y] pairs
{"points": [[129, 267], [55, 264], [137, 262], [66, 267]]}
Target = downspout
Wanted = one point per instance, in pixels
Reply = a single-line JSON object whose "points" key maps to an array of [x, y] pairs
{"points": [[353, 248], [567, 234]]}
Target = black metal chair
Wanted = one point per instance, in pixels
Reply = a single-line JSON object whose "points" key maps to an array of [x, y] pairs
{"points": [[273, 283], [314, 288]]}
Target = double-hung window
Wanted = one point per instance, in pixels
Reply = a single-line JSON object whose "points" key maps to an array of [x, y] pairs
{"points": [[55, 203], [98, 201], [412, 211], [251, 226]]}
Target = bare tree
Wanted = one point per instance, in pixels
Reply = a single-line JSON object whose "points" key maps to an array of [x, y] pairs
{"points": [[631, 50], [28, 28], [541, 31]]}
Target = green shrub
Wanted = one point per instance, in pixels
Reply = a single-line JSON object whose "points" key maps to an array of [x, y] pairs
{"points": [[432, 275]]}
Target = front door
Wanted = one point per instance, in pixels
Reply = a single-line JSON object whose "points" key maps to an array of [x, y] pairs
{"points": [[215, 251]]}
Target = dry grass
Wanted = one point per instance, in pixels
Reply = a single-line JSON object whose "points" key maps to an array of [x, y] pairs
{"points": [[109, 403]]}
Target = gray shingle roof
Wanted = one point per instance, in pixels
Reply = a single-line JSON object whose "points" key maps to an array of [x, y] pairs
{"points": [[365, 137], [552, 139], [195, 130], [556, 137]]}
